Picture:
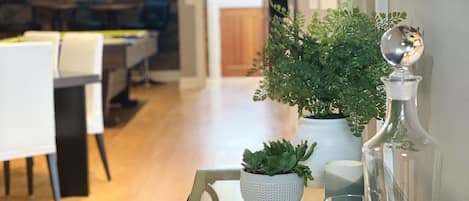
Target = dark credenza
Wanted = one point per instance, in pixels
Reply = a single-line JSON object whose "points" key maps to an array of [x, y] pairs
{"points": [[118, 59]]}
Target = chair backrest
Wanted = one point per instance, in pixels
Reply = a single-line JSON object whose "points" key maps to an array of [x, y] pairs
{"points": [[47, 36], [27, 122], [83, 52]]}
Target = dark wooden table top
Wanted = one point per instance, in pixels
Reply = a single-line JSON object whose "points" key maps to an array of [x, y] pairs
{"points": [[112, 7], [53, 5], [73, 79]]}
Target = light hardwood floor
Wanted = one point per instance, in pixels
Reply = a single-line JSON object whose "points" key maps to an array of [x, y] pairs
{"points": [[154, 157]]}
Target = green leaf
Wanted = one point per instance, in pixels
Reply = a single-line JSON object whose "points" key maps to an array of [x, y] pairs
{"points": [[310, 151]]}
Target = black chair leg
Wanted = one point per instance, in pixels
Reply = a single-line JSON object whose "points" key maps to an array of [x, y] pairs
{"points": [[54, 176], [102, 151], [29, 169], [6, 173]]}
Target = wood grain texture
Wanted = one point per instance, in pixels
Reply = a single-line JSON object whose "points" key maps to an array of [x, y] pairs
{"points": [[242, 35], [155, 156], [113, 7]]}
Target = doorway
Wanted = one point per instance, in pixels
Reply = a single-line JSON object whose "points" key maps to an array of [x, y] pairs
{"points": [[242, 36], [230, 9]]}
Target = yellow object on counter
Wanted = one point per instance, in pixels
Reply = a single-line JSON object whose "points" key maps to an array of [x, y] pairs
{"points": [[110, 36], [15, 39]]}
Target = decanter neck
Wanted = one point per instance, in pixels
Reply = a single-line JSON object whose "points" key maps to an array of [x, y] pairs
{"points": [[402, 110], [402, 98], [401, 84], [402, 121]]}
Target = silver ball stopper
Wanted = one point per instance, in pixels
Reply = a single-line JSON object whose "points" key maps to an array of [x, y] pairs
{"points": [[402, 46]]}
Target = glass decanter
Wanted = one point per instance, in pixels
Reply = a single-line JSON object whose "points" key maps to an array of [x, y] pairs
{"points": [[402, 161]]}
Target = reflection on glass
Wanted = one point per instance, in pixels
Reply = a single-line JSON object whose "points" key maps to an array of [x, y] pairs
{"points": [[402, 161], [345, 198]]}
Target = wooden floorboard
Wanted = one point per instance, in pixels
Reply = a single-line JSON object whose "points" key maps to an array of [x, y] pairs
{"points": [[154, 157]]}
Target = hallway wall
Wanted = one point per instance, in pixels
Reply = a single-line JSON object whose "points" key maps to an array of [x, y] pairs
{"points": [[187, 39], [192, 43]]}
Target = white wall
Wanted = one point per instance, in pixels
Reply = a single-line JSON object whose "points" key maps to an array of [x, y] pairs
{"points": [[214, 35], [444, 94], [382, 6]]}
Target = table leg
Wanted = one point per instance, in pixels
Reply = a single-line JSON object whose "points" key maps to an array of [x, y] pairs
{"points": [[114, 82], [146, 66], [123, 97], [72, 150], [108, 120], [147, 79]]}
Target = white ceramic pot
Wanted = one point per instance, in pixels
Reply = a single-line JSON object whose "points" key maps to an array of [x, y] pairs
{"points": [[286, 187], [335, 142]]}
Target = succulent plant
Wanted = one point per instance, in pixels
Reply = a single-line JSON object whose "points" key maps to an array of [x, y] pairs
{"points": [[279, 157]]}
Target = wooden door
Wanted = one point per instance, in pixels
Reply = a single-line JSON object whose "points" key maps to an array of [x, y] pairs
{"points": [[242, 36]]}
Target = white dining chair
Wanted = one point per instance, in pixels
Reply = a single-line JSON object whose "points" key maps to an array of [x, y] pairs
{"points": [[83, 52], [47, 36], [27, 124], [54, 38]]}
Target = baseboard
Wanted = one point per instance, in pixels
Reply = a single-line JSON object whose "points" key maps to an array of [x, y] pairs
{"points": [[165, 75], [191, 83], [159, 76]]}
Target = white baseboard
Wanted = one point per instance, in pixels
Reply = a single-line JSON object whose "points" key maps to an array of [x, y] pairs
{"points": [[191, 83], [165, 75], [159, 76]]}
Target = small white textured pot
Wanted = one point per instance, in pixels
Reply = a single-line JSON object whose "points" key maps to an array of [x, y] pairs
{"points": [[335, 142], [285, 187]]}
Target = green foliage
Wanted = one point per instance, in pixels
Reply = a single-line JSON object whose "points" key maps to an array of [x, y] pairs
{"points": [[331, 68], [279, 157]]}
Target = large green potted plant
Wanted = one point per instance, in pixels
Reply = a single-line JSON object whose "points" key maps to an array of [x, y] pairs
{"points": [[275, 172], [331, 72]]}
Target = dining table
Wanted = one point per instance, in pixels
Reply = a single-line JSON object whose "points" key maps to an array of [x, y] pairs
{"points": [[122, 51], [70, 128], [71, 135]]}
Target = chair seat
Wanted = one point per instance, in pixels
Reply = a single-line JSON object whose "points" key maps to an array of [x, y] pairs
{"points": [[29, 151]]}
